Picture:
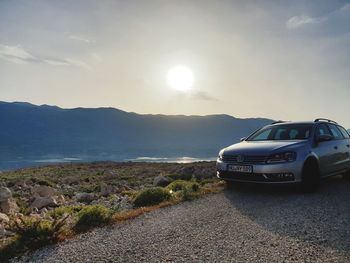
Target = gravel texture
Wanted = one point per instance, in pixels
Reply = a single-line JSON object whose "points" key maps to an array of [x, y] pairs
{"points": [[244, 224]]}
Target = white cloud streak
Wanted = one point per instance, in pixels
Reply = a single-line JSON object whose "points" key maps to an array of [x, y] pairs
{"points": [[303, 20], [300, 21], [80, 38], [15, 54], [18, 55]]}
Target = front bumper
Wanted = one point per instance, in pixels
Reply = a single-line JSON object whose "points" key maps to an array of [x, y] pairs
{"points": [[263, 173]]}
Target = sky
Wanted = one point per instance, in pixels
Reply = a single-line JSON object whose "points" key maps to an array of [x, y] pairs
{"points": [[287, 60]]}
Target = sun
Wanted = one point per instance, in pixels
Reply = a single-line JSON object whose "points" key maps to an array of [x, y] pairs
{"points": [[180, 78]]}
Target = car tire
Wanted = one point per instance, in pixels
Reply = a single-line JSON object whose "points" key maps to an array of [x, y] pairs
{"points": [[310, 176]]}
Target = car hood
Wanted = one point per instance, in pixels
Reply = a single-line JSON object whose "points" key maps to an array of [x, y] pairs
{"points": [[262, 147]]}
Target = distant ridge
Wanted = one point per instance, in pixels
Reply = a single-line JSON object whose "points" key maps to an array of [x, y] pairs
{"points": [[31, 131]]}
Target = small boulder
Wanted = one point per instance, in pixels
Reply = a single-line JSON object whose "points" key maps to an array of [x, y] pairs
{"points": [[85, 197], [4, 218], [107, 190], [161, 181], [43, 191], [5, 233], [188, 170], [204, 173], [41, 202], [5, 194], [61, 200], [43, 211], [8, 206]]}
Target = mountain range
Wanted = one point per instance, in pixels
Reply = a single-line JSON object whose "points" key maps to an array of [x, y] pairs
{"points": [[31, 132]]}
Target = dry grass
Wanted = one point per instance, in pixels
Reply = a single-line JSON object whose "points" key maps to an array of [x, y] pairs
{"points": [[130, 214]]}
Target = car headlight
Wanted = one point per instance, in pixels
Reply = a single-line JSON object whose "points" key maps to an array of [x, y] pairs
{"points": [[282, 157], [221, 155]]}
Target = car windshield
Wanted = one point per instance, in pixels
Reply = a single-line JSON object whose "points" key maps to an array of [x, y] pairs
{"points": [[283, 132]]}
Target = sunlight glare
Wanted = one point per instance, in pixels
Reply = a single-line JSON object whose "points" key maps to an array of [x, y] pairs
{"points": [[180, 78]]}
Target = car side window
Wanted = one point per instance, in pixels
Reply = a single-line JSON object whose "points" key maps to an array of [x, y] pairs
{"points": [[281, 134], [344, 132], [264, 135], [336, 132], [322, 129]]}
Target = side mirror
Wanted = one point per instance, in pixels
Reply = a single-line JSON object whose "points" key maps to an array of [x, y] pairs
{"points": [[243, 139], [324, 138]]}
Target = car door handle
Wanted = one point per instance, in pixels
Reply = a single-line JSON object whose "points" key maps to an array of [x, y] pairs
{"points": [[348, 145], [336, 147]]}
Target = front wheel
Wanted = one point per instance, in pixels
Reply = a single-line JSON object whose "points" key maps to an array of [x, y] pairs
{"points": [[310, 176]]}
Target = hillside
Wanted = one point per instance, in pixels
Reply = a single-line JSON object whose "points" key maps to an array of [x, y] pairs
{"points": [[39, 132]]}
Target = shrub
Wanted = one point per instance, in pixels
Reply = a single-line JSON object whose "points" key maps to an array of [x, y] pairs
{"points": [[152, 196], [42, 181], [181, 185], [31, 233], [185, 176], [65, 210], [91, 216], [34, 232]]}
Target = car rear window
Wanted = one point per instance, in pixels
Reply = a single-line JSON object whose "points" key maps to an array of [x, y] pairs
{"points": [[336, 132], [344, 132]]}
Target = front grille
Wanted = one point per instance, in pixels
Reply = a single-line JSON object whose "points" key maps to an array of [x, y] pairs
{"points": [[246, 159], [253, 177]]}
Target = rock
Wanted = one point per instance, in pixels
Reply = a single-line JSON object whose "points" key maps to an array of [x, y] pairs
{"points": [[85, 197], [187, 170], [204, 173], [124, 203], [5, 194], [5, 233], [43, 191], [61, 200], [107, 190], [43, 211], [41, 202], [161, 181], [8, 207], [4, 218]]}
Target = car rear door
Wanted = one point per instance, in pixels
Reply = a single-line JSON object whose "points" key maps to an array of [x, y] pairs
{"points": [[343, 142], [327, 151]]}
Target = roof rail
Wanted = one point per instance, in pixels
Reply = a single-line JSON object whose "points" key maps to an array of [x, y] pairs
{"points": [[326, 120], [275, 122]]}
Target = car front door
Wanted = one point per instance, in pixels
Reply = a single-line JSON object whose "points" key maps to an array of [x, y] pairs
{"points": [[327, 151]]}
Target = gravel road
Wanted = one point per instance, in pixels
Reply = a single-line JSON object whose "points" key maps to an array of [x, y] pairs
{"points": [[245, 224]]}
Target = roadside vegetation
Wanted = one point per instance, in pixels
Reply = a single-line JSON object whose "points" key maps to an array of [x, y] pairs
{"points": [[54, 203]]}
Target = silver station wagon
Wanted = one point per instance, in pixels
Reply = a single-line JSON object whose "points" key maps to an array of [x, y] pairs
{"points": [[288, 152]]}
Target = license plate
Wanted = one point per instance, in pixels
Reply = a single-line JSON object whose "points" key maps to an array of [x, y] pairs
{"points": [[240, 168]]}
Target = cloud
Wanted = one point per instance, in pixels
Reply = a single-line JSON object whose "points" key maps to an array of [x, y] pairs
{"points": [[96, 56], [77, 63], [18, 55], [80, 38], [54, 62], [303, 20], [201, 95], [300, 21], [345, 8]]}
